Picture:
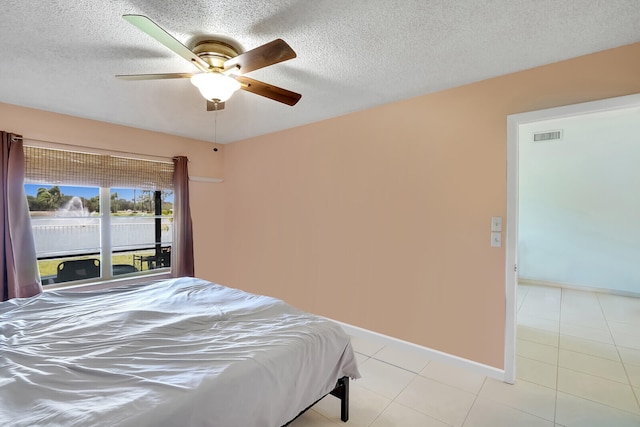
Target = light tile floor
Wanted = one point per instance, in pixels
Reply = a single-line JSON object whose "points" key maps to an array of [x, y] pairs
{"points": [[578, 364]]}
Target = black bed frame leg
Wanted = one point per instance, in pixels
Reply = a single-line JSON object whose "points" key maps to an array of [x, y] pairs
{"points": [[342, 392]]}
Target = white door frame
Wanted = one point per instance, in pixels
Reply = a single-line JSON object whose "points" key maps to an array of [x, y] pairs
{"points": [[513, 123]]}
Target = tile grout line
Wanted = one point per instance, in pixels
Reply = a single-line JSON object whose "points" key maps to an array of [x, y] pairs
{"points": [[557, 357], [390, 400], [382, 411], [636, 395], [555, 401], [369, 357], [624, 366], [475, 399], [524, 298], [400, 392], [418, 375], [596, 376], [398, 366]]}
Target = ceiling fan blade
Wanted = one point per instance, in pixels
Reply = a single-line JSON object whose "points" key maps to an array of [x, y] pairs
{"points": [[154, 30], [154, 76], [262, 56], [211, 106], [269, 91]]}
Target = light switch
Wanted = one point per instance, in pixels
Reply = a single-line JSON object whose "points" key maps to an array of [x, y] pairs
{"points": [[496, 239], [496, 223]]}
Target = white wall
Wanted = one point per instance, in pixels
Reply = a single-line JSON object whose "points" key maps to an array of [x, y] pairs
{"points": [[579, 201]]}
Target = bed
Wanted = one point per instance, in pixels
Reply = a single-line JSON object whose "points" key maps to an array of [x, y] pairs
{"points": [[178, 352]]}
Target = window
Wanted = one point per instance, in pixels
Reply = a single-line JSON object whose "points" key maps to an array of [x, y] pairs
{"points": [[110, 217]]}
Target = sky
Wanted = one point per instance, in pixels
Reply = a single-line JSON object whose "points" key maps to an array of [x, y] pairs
{"points": [[86, 192]]}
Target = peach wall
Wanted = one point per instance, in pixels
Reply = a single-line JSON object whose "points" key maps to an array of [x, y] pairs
{"points": [[206, 198], [381, 218]]}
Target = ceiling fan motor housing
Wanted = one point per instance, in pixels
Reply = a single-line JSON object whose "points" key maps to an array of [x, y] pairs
{"points": [[215, 52]]}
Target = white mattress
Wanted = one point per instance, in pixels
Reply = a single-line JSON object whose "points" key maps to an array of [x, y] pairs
{"points": [[180, 352]]}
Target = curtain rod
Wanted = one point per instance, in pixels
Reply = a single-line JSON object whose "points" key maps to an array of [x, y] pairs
{"points": [[31, 142]]}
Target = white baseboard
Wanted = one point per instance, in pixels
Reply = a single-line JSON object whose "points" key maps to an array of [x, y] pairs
{"points": [[425, 352], [536, 282]]}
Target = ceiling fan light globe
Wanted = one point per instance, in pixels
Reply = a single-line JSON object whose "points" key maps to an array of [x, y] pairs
{"points": [[215, 86]]}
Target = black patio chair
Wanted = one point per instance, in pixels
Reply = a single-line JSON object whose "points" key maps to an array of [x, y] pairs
{"points": [[78, 269]]}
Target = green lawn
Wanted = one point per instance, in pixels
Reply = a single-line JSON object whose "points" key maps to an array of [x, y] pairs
{"points": [[48, 267]]}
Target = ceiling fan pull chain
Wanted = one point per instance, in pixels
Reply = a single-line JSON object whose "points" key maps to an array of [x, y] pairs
{"points": [[215, 125]]}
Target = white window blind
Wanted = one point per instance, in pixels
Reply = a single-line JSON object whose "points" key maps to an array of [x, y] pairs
{"points": [[61, 167]]}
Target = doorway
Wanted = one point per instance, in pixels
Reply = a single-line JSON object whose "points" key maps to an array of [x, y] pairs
{"points": [[515, 124]]}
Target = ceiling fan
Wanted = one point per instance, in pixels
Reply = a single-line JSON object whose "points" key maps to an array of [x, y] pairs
{"points": [[221, 65]]}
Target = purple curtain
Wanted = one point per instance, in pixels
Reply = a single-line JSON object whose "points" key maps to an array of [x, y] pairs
{"points": [[18, 261], [182, 255]]}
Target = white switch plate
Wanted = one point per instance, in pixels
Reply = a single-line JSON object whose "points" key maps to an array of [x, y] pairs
{"points": [[496, 239], [496, 223]]}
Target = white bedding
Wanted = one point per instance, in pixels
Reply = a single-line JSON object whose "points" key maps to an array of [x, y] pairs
{"points": [[180, 352]]}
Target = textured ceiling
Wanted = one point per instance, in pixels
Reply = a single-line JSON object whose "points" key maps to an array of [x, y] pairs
{"points": [[62, 55]]}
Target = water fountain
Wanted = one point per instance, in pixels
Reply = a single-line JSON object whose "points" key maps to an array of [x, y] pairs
{"points": [[73, 208]]}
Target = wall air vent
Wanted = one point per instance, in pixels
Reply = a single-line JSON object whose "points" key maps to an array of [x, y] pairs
{"points": [[547, 136]]}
